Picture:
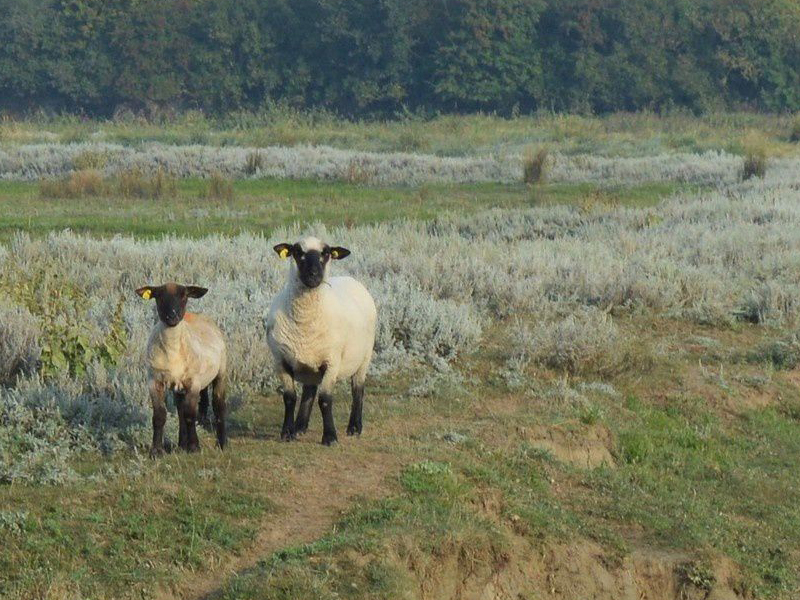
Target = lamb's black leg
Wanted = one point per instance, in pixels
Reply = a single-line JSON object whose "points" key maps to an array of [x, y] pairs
{"points": [[157, 397], [220, 410], [183, 437], [328, 427], [202, 416], [190, 416], [354, 426], [289, 401], [304, 412]]}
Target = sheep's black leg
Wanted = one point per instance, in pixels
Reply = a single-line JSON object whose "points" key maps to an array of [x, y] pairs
{"points": [[180, 402], [157, 397], [202, 417], [220, 411], [289, 401], [328, 427], [190, 417], [304, 412], [354, 426]]}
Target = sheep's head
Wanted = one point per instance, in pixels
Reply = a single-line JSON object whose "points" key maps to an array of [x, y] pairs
{"points": [[311, 259], [171, 300]]}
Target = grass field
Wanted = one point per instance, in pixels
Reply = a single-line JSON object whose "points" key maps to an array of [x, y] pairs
{"points": [[582, 389]]}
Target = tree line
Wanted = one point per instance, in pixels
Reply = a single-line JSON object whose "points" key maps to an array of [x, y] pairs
{"points": [[367, 57]]}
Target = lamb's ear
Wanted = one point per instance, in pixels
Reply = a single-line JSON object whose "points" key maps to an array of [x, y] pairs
{"points": [[283, 250], [145, 292], [194, 291], [337, 252]]}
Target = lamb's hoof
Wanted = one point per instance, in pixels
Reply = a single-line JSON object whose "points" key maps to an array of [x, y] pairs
{"points": [[330, 440], [288, 436], [156, 452], [300, 431], [353, 430]]}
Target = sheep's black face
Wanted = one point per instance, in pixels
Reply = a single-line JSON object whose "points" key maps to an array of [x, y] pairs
{"points": [[171, 300], [311, 266], [311, 263]]}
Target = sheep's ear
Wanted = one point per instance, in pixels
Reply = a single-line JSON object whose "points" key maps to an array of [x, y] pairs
{"points": [[283, 250], [145, 292], [337, 252], [194, 291]]}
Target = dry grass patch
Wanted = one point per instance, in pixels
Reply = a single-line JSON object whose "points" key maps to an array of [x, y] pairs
{"points": [[217, 188], [135, 184], [535, 167], [78, 184]]}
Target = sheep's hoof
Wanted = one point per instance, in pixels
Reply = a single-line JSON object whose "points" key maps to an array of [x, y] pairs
{"points": [[288, 436], [352, 430], [329, 440], [205, 423], [155, 452], [300, 430], [193, 448]]}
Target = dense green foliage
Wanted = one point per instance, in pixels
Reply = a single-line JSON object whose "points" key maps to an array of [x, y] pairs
{"points": [[362, 57]]}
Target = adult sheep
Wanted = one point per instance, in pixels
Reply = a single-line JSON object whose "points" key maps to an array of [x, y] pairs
{"points": [[320, 329], [186, 354]]}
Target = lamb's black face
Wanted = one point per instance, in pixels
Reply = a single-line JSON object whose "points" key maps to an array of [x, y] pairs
{"points": [[171, 300]]}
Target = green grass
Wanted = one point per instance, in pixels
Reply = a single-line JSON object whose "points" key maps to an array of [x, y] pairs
{"points": [[133, 531], [263, 205]]}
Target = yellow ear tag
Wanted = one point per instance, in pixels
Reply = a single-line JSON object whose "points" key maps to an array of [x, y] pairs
{"points": [[334, 254], [284, 252], [147, 294]]}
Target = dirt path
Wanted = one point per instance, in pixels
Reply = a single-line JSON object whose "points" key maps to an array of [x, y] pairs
{"points": [[314, 497]]}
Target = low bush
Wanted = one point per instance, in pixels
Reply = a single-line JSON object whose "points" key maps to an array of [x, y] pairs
{"points": [[586, 341], [19, 342]]}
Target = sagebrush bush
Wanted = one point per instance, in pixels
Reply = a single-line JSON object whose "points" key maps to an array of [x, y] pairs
{"points": [[586, 341], [91, 160], [534, 170], [41, 161], [20, 347]]}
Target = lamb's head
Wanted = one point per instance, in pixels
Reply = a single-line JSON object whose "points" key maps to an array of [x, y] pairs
{"points": [[171, 300], [311, 258]]}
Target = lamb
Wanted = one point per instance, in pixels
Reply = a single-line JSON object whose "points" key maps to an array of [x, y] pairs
{"points": [[320, 329], [186, 354]]}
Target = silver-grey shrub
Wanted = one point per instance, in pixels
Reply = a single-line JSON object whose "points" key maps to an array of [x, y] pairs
{"points": [[585, 341], [19, 341], [723, 255], [38, 161]]}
